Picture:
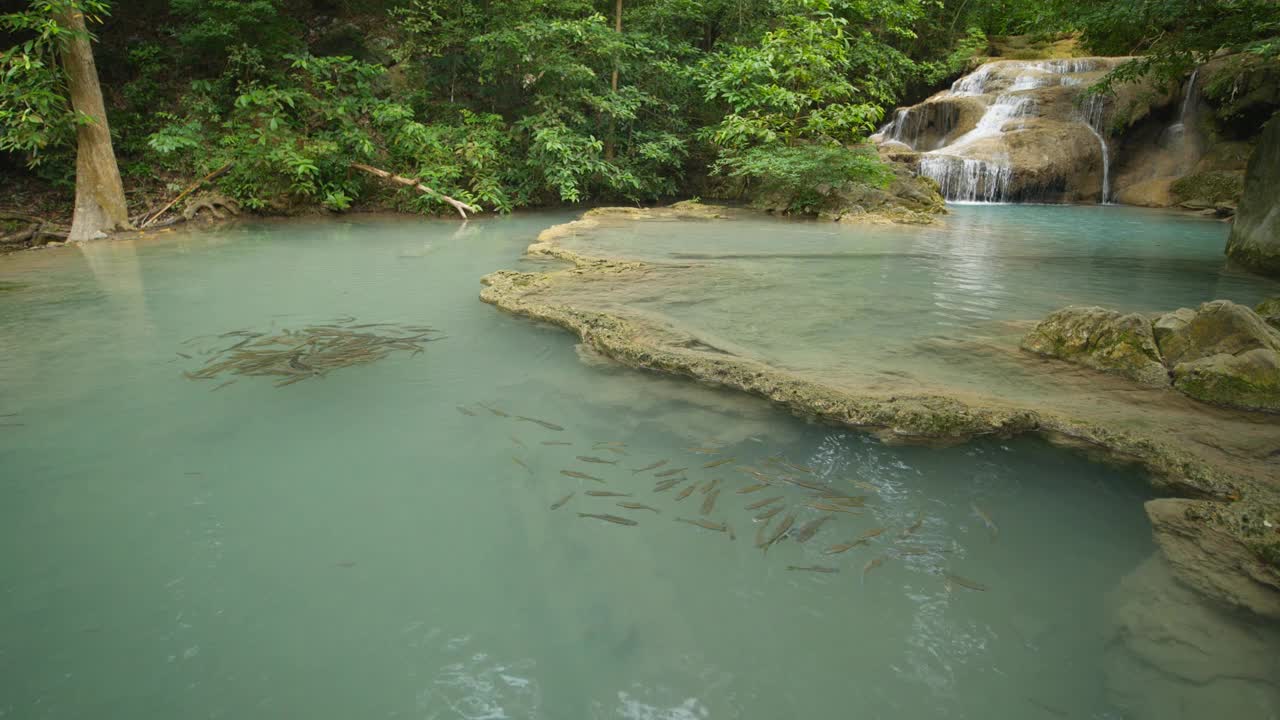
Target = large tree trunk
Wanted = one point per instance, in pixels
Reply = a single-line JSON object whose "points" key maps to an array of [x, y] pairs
{"points": [[100, 206]]}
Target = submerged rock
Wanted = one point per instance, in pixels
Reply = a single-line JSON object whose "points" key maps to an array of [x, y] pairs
{"points": [[1102, 339], [1255, 236]]}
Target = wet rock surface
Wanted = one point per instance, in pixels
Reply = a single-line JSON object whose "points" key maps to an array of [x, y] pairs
{"points": [[1255, 235], [1102, 339]]}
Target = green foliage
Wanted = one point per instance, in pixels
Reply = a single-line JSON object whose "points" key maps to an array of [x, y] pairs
{"points": [[36, 119], [805, 175]]}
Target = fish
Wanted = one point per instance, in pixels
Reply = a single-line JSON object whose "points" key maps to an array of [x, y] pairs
{"points": [[184, 356], [873, 532], [718, 527], [637, 506], [522, 464], [519, 442], [580, 476], [912, 527], [669, 473], [770, 513], [828, 507], [710, 503], [494, 410], [229, 382], [686, 492], [963, 582], [609, 518], [711, 485], [783, 527], [872, 564], [598, 461], [808, 530], [718, 463], [797, 468], [848, 500], [651, 466], [816, 487], [466, 411], [843, 547], [666, 485], [813, 568], [616, 450], [760, 534], [986, 519], [704, 451], [607, 493], [608, 443], [555, 442], [560, 503], [749, 470], [911, 550], [536, 421], [752, 488], [767, 501]]}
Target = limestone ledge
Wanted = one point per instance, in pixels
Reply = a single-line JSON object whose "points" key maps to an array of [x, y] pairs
{"points": [[1222, 534]]}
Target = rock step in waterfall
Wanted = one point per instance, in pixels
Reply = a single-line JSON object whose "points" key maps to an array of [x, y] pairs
{"points": [[1012, 131]]}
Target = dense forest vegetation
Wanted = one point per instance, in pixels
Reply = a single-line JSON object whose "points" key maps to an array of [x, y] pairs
{"points": [[520, 103]]}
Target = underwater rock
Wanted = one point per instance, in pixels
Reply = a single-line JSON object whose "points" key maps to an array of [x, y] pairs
{"points": [[1174, 655], [1255, 235], [1101, 339]]}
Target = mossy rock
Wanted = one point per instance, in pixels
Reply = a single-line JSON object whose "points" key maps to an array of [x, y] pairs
{"points": [[1220, 327], [1210, 188], [1269, 311], [1101, 339], [1250, 380]]}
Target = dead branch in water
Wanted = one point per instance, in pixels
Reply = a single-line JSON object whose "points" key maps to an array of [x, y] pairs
{"points": [[458, 205]]}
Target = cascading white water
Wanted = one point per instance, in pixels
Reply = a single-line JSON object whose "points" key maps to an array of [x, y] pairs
{"points": [[1093, 109], [1178, 131], [967, 179]]}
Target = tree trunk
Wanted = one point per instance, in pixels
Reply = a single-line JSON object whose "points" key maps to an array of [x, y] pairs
{"points": [[100, 207], [617, 27]]}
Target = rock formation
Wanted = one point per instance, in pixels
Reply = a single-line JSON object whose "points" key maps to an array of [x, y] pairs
{"points": [[1220, 353], [1255, 236]]}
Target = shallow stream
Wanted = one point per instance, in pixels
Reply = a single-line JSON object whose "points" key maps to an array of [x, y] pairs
{"points": [[376, 543]]}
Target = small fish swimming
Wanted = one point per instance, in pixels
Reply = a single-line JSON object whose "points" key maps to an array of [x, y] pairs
{"points": [[910, 529], [494, 410], [608, 443], [783, 527], [770, 513], [560, 503], [616, 450], [828, 507], [808, 530], [556, 442], [718, 527], [873, 532], [543, 423], [760, 534], [986, 519], [580, 476], [651, 466], [609, 518], [607, 493], [522, 464], [711, 485], [223, 385], [184, 356], [598, 461], [704, 451], [686, 492], [710, 503], [847, 500], [666, 485], [872, 564], [638, 506], [797, 468], [843, 547], [767, 501], [963, 582], [466, 411], [669, 473], [519, 442], [752, 488], [718, 463], [813, 568]]}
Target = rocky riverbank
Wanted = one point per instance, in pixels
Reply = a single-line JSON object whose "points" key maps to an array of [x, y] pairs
{"points": [[1221, 532]]}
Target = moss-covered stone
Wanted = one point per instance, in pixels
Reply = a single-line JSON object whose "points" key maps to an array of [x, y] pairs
{"points": [[1209, 189], [1220, 327], [1250, 380], [1255, 235], [1101, 339], [1269, 311]]}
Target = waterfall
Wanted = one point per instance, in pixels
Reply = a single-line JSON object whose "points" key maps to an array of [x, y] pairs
{"points": [[1178, 131], [1093, 109], [966, 179]]}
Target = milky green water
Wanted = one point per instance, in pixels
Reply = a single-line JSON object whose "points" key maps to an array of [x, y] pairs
{"points": [[356, 546]]}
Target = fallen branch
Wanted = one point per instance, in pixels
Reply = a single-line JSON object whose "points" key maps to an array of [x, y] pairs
{"points": [[23, 217], [152, 217], [460, 206], [20, 236]]}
